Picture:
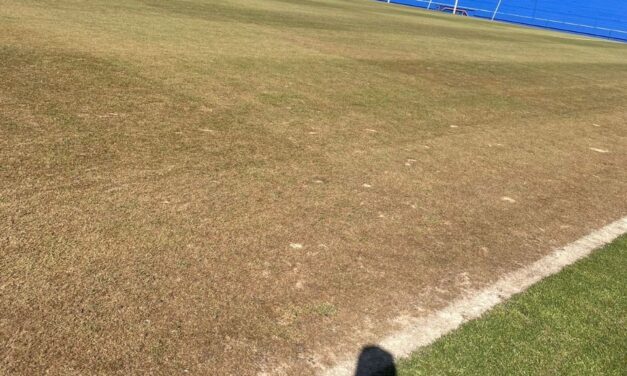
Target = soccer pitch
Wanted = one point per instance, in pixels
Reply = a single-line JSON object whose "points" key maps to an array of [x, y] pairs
{"points": [[213, 187]]}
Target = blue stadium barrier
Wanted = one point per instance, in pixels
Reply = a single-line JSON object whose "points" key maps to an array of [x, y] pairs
{"points": [[601, 18]]}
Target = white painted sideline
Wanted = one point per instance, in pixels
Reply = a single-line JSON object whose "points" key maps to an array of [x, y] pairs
{"points": [[418, 332]]}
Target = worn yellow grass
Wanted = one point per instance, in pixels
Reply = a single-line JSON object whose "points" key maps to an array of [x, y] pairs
{"points": [[161, 160]]}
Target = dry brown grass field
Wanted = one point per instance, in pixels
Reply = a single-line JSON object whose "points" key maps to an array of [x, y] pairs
{"points": [[237, 187]]}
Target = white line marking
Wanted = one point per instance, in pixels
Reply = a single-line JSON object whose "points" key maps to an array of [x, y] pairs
{"points": [[419, 332]]}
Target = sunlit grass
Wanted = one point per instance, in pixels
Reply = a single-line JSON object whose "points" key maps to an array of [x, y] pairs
{"points": [[573, 323]]}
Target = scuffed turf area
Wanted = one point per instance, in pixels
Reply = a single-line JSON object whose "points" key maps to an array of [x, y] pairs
{"points": [[573, 323], [245, 186]]}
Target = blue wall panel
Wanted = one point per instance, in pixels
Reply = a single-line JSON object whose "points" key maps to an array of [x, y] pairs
{"points": [[604, 18]]}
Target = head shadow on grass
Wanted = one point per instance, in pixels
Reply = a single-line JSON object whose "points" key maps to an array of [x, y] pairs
{"points": [[374, 361]]}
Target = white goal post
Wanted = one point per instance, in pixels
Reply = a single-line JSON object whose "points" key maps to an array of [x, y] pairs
{"points": [[456, 6]]}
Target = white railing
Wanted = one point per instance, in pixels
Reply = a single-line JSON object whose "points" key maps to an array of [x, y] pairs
{"points": [[495, 11]]}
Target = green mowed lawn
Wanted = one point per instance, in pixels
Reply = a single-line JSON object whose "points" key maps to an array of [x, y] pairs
{"points": [[249, 185], [573, 323]]}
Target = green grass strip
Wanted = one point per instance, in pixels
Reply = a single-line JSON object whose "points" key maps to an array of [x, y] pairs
{"points": [[573, 323]]}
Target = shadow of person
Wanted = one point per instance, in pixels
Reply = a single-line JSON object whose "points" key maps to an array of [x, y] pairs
{"points": [[374, 361]]}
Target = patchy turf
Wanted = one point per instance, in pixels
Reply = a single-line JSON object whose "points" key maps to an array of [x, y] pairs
{"points": [[252, 185], [572, 323]]}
